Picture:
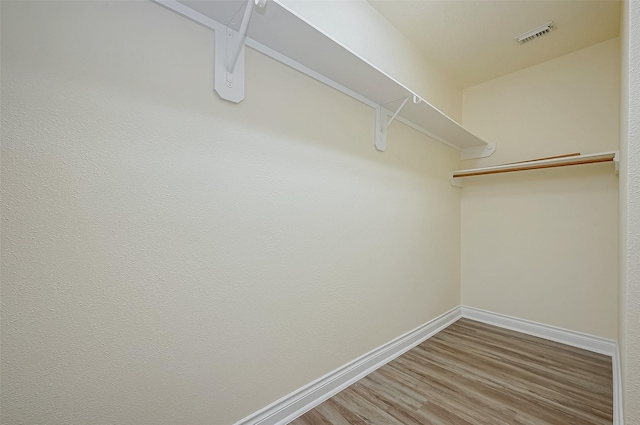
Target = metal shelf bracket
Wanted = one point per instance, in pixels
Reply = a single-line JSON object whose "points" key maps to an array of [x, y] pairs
{"points": [[229, 57], [382, 124]]}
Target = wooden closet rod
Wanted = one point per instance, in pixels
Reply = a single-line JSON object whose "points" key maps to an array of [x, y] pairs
{"points": [[532, 166], [549, 162]]}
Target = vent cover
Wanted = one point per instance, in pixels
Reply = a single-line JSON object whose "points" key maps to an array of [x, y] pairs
{"points": [[535, 33]]}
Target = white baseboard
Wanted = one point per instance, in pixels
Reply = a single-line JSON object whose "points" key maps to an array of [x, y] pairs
{"points": [[552, 333], [618, 411], [564, 336], [306, 398]]}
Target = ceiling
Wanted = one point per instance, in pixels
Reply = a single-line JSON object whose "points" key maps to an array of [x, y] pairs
{"points": [[474, 40]]}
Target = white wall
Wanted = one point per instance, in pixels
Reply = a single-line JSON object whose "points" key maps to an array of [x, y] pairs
{"points": [[168, 257], [543, 245], [362, 30], [629, 331], [565, 105]]}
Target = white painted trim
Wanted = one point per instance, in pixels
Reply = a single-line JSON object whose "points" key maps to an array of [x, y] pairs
{"points": [[552, 333], [618, 408], [306, 398], [588, 342]]}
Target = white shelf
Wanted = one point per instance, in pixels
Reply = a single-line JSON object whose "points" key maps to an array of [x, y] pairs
{"points": [[573, 159], [279, 33]]}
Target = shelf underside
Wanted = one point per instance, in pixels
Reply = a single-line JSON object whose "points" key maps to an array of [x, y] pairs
{"points": [[279, 29]]}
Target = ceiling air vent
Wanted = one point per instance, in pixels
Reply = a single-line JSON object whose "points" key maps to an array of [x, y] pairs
{"points": [[535, 33]]}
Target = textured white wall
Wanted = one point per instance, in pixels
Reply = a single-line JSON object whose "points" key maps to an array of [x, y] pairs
{"points": [[171, 258], [543, 245], [362, 29], [629, 333], [569, 104]]}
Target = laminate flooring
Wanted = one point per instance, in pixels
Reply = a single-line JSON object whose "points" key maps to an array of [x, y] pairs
{"points": [[473, 373]]}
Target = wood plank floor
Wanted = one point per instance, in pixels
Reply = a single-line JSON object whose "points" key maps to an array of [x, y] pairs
{"points": [[472, 373]]}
